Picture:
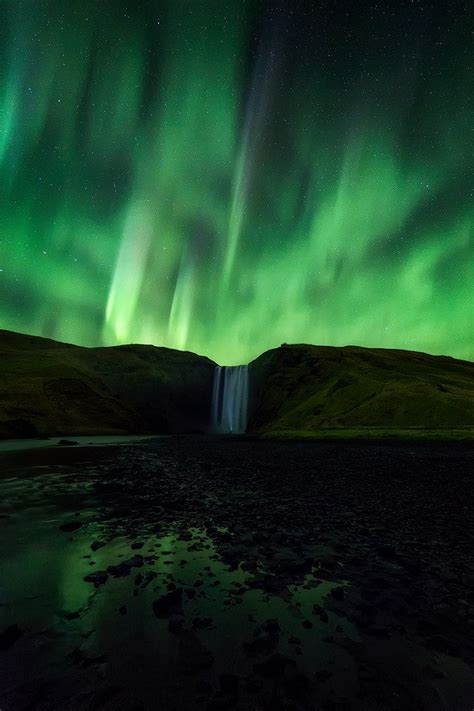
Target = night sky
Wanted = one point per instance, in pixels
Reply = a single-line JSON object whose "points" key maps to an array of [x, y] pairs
{"points": [[224, 176]]}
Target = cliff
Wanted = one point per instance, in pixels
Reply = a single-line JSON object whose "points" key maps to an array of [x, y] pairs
{"points": [[51, 388], [303, 388]]}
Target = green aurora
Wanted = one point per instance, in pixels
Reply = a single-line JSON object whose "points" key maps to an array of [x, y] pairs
{"points": [[225, 176]]}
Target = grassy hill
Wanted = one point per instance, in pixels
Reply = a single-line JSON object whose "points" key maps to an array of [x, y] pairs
{"points": [[301, 390], [50, 388]]}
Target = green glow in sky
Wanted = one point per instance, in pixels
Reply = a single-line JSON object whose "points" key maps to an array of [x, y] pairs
{"points": [[226, 176]]}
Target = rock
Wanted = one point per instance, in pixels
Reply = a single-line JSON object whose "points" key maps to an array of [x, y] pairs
{"points": [[169, 604], [203, 686], [9, 636], [70, 526], [434, 673], [78, 656], [98, 578], [275, 667], [468, 578], [292, 639], [124, 568], [323, 675], [19, 428], [367, 673], [387, 552], [379, 631], [95, 545], [67, 443], [441, 644], [318, 610], [72, 615], [271, 626], [253, 685], [176, 624], [203, 622], [292, 563], [221, 702], [338, 593], [229, 684], [296, 684], [148, 577], [264, 644], [193, 655]]}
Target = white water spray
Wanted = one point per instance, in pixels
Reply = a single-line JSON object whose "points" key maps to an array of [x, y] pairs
{"points": [[230, 398]]}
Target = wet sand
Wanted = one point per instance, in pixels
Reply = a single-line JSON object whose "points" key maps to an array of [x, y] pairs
{"points": [[201, 573]]}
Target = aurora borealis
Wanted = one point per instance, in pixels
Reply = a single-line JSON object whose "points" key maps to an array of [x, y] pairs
{"points": [[224, 176]]}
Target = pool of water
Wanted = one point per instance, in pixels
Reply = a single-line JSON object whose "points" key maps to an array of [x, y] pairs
{"points": [[195, 573], [14, 445], [75, 635]]}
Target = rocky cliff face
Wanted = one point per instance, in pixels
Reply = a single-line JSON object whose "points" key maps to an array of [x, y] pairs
{"points": [[305, 388], [52, 388]]}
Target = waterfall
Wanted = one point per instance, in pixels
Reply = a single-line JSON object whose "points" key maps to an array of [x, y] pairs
{"points": [[230, 396]]}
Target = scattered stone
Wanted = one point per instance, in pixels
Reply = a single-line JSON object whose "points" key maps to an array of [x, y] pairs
{"points": [[193, 655], [275, 667], [292, 639], [99, 577], [9, 636], [203, 622], [338, 593], [77, 656], [70, 526], [387, 552], [203, 686], [323, 615], [169, 604], [122, 569], [391, 585], [176, 624], [323, 675], [229, 684], [264, 644], [148, 577], [271, 626], [72, 615], [253, 685]]}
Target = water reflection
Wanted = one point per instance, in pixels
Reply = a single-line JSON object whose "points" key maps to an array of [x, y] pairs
{"points": [[227, 623]]}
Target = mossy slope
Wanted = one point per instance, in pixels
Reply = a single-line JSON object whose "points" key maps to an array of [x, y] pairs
{"points": [[55, 388], [51, 388], [305, 388]]}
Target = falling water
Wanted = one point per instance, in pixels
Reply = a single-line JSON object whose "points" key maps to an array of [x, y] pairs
{"points": [[230, 399]]}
